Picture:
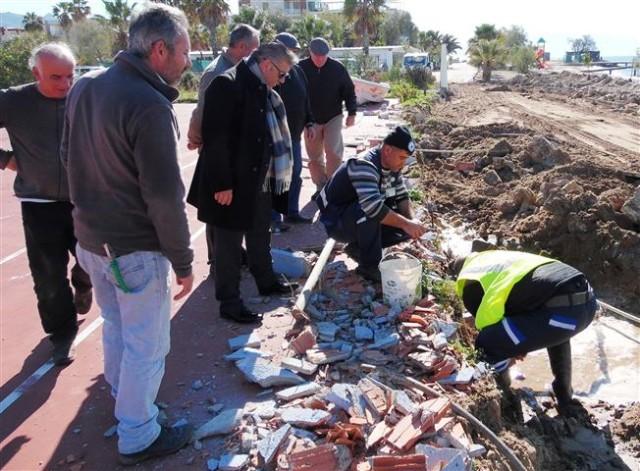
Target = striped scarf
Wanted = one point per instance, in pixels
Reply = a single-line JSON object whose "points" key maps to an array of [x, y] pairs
{"points": [[278, 177]]}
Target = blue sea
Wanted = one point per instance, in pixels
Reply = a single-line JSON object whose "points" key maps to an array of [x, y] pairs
{"points": [[625, 72]]}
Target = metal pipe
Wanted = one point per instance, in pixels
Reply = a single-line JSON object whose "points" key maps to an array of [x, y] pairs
{"points": [[619, 312], [507, 452], [303, 297]]}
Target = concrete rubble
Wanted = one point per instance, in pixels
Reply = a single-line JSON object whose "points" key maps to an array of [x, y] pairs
{"points": [[351, 412]]}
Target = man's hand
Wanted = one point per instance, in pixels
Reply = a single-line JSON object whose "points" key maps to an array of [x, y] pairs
{"points": [[187, 285], [224, 198], [193, 145], [351, 120], [414, 228], [310, 133], [11, 164]]}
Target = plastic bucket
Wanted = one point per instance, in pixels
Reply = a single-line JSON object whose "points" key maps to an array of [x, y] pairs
{"points": [[401, 279]]}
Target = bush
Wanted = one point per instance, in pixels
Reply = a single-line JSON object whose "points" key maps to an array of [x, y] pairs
{"points": [[189, 81], [523, 58], [404, 90], [14, 59], [421, 77], [392, 75]]}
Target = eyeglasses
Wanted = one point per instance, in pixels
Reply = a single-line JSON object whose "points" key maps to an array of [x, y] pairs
{"points": [[281, 74]]}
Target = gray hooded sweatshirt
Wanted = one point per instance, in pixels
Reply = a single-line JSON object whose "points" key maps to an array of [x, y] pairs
{"points": [[120, 147]]}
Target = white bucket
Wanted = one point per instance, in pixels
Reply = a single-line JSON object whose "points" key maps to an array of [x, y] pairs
{"points": [[401, 279]]}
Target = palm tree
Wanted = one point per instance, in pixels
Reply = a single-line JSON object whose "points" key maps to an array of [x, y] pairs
{"points": [[32, 22], [366, 15], [429, 41], [309, 27], [62, 11], [487, 54], [486, 31], [119, 14], [452, 43], [211, 13], [258, 19], [79, 10]]}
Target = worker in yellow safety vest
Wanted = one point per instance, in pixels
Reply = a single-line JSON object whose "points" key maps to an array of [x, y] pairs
{"points": [[523, 302]]}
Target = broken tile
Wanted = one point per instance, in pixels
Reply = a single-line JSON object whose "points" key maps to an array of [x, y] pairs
{"points": [[299, 365], [380, 431], [266, 373], [304, 341], [458, 437], [320, 356], [444, 459], [375, 397], [212, 464], [296, 392], [347, 396], [233, 462], [476, 450], [439, 341], [247, 352], [301, 417], [411, 427], [268, 447], [363, 333], [463, 376], [320, 458], [327, 330], [399, 463], [250, 340], [222, 424]]}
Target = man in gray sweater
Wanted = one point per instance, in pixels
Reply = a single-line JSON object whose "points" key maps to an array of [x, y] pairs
{"points": [[33, 115], [120, 145]]}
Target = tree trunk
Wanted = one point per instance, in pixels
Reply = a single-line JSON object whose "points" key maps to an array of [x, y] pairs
{"points": [[486, 73]]}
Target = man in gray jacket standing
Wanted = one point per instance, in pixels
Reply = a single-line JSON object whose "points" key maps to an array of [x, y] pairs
{"points": [[33, 115], [120, 144]]}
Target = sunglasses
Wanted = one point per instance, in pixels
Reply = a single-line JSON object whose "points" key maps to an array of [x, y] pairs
{"points": [[281, 74]]}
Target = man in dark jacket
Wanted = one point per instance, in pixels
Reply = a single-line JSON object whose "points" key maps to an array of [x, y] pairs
{"points": [[33, 115], [295, 95], [366, 204], [524, 302], [246, 156], [120, 146], [329, 86]]}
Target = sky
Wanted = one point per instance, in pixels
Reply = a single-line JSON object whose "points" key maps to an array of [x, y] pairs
{"points": [[612, 23]]}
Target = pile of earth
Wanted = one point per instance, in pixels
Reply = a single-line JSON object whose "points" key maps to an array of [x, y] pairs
{"points": [[535, 193], [617, 94]]}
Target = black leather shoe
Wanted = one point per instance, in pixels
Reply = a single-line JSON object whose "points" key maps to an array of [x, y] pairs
{"points": [[279, 288], [369, 273], [170, 440], [353, 250], [63, 352], [242, 316], [298, 219]]}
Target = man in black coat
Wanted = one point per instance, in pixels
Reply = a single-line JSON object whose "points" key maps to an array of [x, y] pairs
{"points": [[245, 158]]}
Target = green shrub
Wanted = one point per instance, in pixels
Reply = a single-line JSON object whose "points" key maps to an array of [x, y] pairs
{"points": [[420, 77], [189, 81], [14, 59], [523, 58], [404, 90]]}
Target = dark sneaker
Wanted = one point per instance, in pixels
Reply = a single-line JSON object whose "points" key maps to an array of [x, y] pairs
{"points": [[170, 440], [278, 288], [279, 227], [298, 219], [242, 316], [82, 301], [63, 352], [369, 273]]}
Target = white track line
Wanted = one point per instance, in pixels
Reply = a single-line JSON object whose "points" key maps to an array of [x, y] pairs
{"points": [[17, 393], [15, 254], [19, 252]]}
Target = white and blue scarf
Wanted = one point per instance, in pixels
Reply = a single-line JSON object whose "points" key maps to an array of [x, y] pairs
{"points": [[280, 167]]}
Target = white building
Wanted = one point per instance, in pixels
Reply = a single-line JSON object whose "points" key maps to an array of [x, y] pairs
{"points": [[383, 56], [9, 33], [286, 7]]}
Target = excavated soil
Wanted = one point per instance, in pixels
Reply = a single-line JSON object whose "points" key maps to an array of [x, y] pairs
{"points": [[540, 176]]}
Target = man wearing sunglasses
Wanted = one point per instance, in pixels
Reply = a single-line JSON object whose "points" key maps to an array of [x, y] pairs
{"points": [[245, 161]]}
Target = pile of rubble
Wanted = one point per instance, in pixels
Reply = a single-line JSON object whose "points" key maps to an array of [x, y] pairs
{"points": [[346, 403], [616, 94]]}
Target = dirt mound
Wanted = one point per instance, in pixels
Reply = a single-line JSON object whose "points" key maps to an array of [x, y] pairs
{"points": [[534, 191], [616, 94]]}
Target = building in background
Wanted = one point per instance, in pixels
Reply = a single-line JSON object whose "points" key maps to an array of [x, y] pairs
{"points": [[286, 7]]}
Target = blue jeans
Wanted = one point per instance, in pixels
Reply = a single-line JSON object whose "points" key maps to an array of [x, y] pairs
{"points": [[135, 338]]}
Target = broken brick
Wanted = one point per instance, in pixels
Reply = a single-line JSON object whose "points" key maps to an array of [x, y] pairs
{"points": [[375, 396], [399, 463], [320, 458], [304, 341]]}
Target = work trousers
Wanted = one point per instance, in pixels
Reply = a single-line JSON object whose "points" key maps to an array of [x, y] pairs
{"points": [[228, 258], [48, 231], [326, 142]]}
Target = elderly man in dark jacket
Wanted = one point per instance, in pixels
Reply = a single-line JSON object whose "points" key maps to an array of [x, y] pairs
{"points": [[245, 158]]}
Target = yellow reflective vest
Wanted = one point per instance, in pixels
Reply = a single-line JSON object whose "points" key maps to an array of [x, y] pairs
{"points": [[497, 271]]}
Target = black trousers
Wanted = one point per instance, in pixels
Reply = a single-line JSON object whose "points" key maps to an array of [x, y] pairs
{"points": [[228, 258], [370, 235], [48, 231]]}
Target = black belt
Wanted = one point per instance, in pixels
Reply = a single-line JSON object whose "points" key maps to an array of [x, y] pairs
{"points": [[571, 299]]}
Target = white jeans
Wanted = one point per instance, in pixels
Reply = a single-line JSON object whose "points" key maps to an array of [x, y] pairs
{"points": [[135, 337]]}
